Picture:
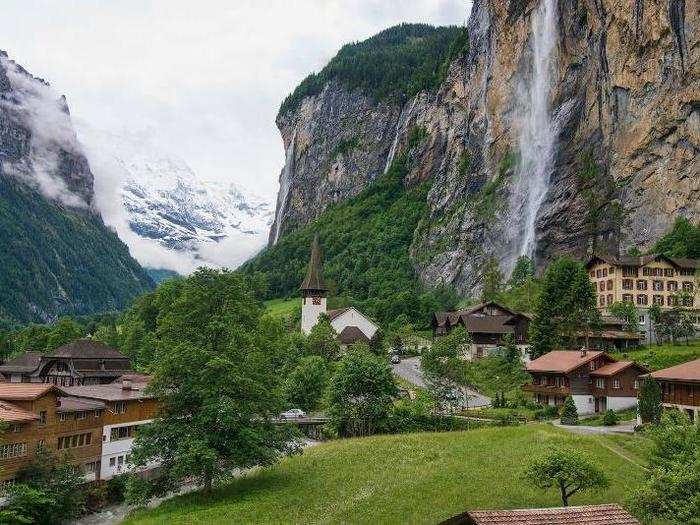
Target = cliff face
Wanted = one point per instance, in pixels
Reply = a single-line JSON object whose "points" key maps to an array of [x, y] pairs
{"points": [[569, 126]]}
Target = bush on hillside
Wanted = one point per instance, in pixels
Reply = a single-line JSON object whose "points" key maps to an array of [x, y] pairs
{"points": [[610, 418], [569, 414]]}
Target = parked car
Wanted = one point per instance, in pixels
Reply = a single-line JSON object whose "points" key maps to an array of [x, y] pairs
{"points": [[293, 413], [395, 359]]}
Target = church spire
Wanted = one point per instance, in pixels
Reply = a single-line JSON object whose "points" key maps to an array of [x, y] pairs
{"points": [[314, 277]]}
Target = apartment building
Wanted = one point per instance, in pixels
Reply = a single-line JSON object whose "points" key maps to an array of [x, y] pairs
{"points": [[645, 281]]}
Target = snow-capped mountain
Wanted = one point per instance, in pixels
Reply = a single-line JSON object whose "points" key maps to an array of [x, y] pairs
{"points": [[168, 215]]}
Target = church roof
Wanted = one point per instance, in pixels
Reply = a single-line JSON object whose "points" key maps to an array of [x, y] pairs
{"points": [[352, 334], [314, 276]]}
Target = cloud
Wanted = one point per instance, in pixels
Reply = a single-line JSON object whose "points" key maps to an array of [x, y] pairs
{"points": [[36, 107]]}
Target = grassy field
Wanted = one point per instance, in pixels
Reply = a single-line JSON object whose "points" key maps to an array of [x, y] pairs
{"points": [[657, 357], [282, 307], [414, 478]]}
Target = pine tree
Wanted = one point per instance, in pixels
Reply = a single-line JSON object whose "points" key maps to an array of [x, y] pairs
{"points": [[569, 414], [650, 401]]}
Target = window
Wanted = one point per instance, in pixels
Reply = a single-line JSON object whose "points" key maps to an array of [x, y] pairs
{"points": [[599, 273], [658, 299], [610, 284], [616, 383], [687, 286], [687, 272], [610, 299], [672, 300], [612, 270], [42, 417], [600, 382], [98, 413], [40, 444], [77, 440], [119, 407], [122, 432], [13, 450], [601, 286], [668, 272], [112, 462], [80, 415], [591, 365], [627, 284], [646, 271], [629, 271], [91, 467], [605, 272], [642, 319], [62, 416], [641, 284], [672, 286], [658, 286], [601, 300], [642, 299], [627, 298], [592, 273], [15, 428]]}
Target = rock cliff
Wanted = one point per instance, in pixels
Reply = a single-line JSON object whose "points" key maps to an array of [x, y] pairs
{"points": [[567, 126]]}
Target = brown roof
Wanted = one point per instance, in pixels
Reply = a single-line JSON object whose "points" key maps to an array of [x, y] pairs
{"points": [[608, 514], [610, 369], [87, 349], [352, 334], [25, 391], [563, 361], [628, 260], [12, 413], [314, 275], [689, 371], [27, 362], [333, 314], [75, 404], [442, 317], [685, 263], [109, 392], [488, 324]]}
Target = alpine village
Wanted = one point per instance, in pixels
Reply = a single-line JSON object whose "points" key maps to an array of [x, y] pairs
{"points": [[476, 300]]}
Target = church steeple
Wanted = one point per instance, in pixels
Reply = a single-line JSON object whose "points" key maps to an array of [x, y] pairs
{"points": [[313, 290]]}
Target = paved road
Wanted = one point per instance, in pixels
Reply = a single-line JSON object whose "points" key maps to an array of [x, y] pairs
{"points": [[622, 428], [409, 369]]}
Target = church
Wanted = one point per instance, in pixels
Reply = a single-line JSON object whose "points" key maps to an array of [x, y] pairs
{"points": [[349, 323]]}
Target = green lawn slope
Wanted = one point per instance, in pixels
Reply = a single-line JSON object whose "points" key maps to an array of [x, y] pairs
{"points": [[656, 357], [414, 478]]}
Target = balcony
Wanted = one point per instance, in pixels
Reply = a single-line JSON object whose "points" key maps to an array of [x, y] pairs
{"points": [[551, 390]]}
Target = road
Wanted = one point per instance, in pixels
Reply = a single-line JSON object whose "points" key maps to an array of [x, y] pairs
{"points": [[626, 427], [409, 369]]}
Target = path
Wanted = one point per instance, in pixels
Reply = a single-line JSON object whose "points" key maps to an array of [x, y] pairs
{"points": [[622, 428], [409, 369]]}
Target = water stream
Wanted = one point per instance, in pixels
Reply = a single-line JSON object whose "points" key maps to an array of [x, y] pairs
{"points": [[285, 185]]}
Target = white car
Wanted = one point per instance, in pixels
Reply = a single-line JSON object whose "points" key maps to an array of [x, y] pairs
{"points": [[293, 413]]}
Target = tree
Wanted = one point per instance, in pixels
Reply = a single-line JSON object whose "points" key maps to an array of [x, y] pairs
{"points": [[650, 401], [360, 392], [305, 384], [569, 413], [523, 271], [219, 391], [627, 312], [568, 470], [323, 340], [64, 331], [493, 281], [655, 317], [683, 240], [565, 307], [610, 418], [511, 353]]}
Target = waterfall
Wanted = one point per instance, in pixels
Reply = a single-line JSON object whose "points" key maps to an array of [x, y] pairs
{"points": [[400, 125], [285, 185], [537, 131]]}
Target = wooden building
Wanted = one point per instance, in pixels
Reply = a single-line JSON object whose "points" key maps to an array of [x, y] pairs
{"points": [[595, 380], [606, 514], [82, 362], [680, 387], [487, 324], [613, 334]]}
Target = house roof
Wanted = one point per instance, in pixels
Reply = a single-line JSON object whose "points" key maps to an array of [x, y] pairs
{"points": [[689, 372], [488, 324], [562, 361], [334, 314], [87, 349], [109, 392], [12, 413], [442, 317], [75, 404], [352, 334], [25, 391], [607, 514], [27, 362], [610, 369], [314, 275], [628, 260]]}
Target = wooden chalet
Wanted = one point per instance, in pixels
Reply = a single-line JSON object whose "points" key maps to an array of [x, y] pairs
{"points": [[612, 334], [82, 362], [680, 387], [595, 380], [606, 514]]}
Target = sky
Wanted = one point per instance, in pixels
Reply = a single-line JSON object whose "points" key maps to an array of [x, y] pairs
{"points": [[202, 80]]}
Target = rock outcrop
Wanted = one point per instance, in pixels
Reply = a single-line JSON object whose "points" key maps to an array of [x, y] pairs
{"points": [[622, 107]]}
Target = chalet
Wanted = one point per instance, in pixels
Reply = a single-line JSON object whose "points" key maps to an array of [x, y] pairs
{"points": [[645, 281], [41, 415], [82, 362], [128, 407], [680, 387], [351, 325], [487, 324], [594, 380], [606, 514], [613, 334]]}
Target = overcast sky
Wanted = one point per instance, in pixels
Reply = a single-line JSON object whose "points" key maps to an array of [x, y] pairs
{"points": [[203, 79]]}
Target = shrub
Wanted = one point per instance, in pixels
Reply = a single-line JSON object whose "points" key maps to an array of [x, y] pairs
{"points": [[610, 418], [546, 412], [569, 414]]}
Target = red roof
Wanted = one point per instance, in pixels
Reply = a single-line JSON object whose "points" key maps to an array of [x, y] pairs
{"points": [[563, 361], [689, 371], [608, 514], [25, 391], [610, 369], [13, 414]]}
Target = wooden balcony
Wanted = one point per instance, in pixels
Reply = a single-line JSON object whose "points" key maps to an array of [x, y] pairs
{"points": [[551, 390]]}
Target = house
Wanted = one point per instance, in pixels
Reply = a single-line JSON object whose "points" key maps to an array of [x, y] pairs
{"points": [[644, 281], [351, 325], [127, 408], [594, 380], [41, 415], [613, 334], [487, 324], [606, 514], [680, 387], [81, 362]]}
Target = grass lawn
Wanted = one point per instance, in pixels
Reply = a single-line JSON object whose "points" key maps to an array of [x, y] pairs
{"points": [[411, 478], [282, 307], [494, 413], [658, 357]]}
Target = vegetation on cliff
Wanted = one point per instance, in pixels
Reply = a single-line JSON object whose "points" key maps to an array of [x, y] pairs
{"points": [[392, 65]]}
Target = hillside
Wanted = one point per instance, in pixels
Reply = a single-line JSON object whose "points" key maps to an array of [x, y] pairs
{"points": [[416, 478], [57, 255], [546, 132]]}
